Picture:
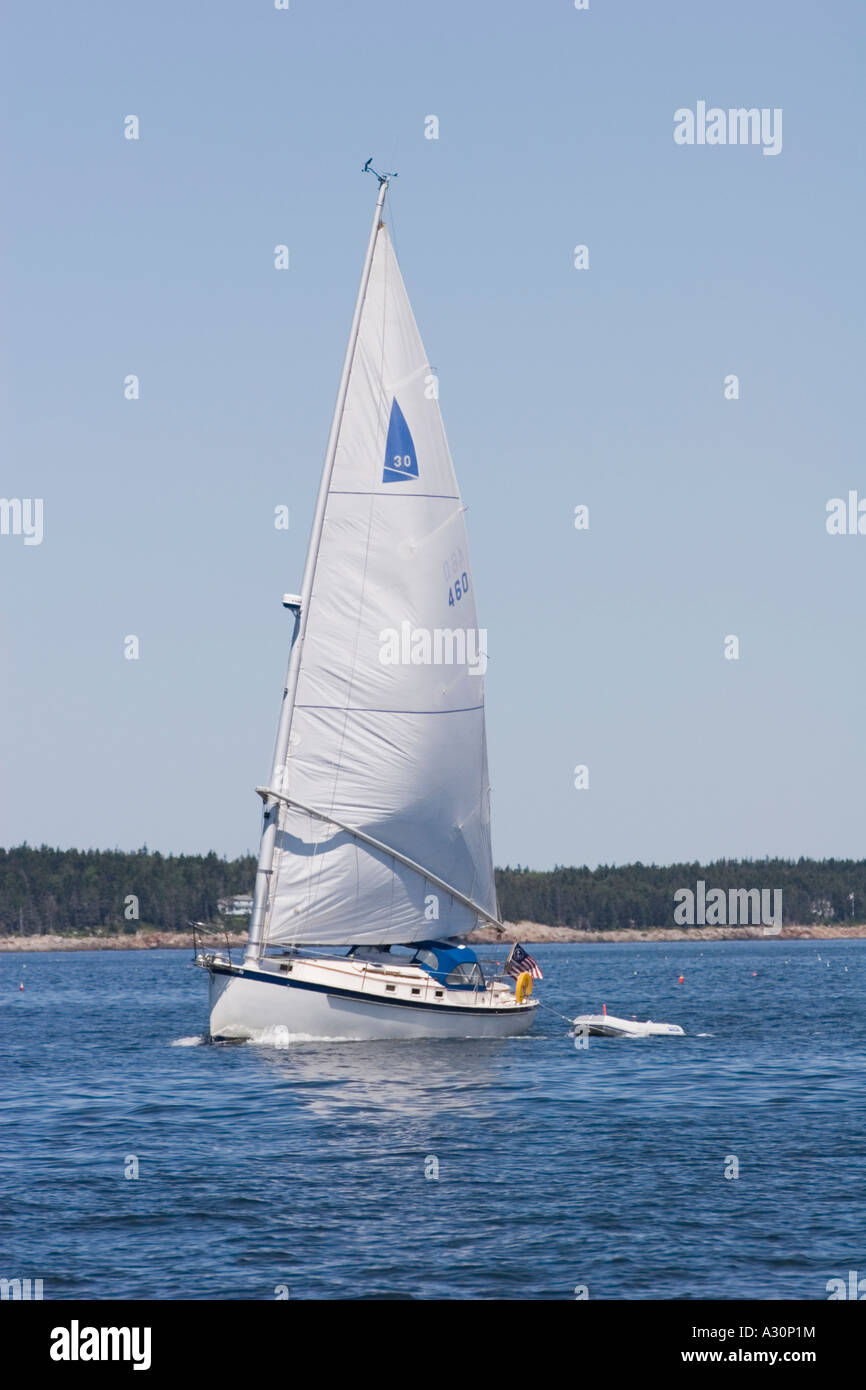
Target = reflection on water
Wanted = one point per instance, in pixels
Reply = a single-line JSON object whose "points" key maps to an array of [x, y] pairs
{"points": [[345, 1170], [386, 1080]]}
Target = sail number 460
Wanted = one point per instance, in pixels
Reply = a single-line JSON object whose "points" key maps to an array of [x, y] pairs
{"points": [[458, 589]]}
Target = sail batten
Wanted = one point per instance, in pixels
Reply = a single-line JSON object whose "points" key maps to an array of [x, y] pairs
{"points": [[398, 846]]}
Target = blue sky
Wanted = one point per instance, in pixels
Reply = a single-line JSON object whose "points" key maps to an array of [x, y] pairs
{"points": [[558, 387]]}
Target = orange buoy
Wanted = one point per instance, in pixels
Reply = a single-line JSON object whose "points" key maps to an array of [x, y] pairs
{"points": [[681, 980]]}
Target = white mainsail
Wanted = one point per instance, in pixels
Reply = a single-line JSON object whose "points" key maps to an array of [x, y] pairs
{"points": [[387, 740]]}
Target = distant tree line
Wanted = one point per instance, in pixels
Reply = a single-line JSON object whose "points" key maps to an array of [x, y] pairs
{"points": [[642, 895], [60, 891], [68, 890]]}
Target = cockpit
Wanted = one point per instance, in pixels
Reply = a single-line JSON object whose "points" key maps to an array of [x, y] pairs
{"points": [[448, 962]]}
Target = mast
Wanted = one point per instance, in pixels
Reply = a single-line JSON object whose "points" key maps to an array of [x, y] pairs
{"points": [[272, 805]]}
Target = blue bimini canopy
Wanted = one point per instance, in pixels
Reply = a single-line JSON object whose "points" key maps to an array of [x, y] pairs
{"points": [[450, 964]]}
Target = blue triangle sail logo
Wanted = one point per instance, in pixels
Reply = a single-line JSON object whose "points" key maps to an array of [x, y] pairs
{"points": [[401, 462]]}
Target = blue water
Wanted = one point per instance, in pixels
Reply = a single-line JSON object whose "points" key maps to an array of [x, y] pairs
{"points": [[305, 1167]]}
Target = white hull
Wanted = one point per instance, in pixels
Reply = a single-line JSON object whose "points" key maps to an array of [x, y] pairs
{"points": [[607, 1026], [338, 1000]]}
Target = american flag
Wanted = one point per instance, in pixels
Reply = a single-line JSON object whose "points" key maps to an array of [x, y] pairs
{"points": [[520, 960]]}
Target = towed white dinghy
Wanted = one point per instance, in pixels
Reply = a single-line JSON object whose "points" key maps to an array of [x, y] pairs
{"points": [[605, 1025], [376, 831]]}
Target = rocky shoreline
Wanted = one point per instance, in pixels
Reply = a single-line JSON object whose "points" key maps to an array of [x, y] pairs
{"points": [[138, 941], [514, 931], [535, 931]]}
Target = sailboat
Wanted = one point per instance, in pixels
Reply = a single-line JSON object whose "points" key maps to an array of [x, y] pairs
{"points": [[375, 856]]}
